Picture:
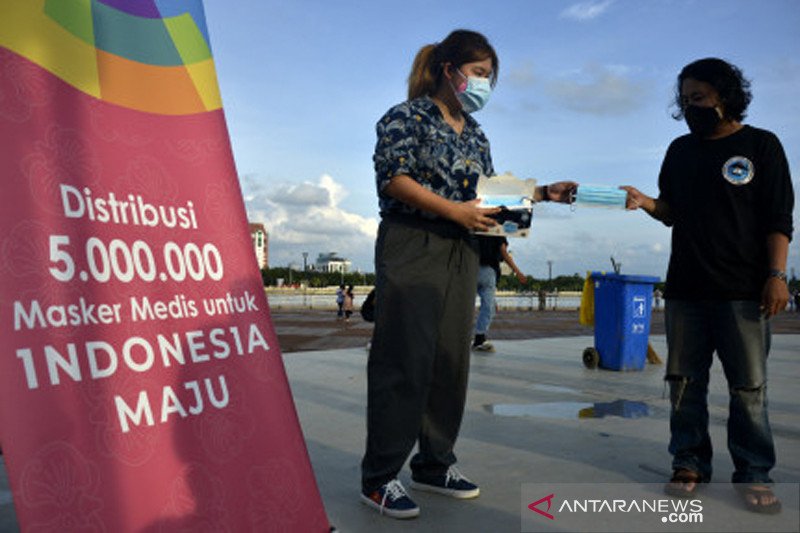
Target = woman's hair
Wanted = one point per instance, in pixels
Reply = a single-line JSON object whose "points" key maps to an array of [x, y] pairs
{"points": [[727, 79], [461, 46]]}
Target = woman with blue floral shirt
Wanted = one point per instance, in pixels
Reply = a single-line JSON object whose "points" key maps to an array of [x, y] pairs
{"points": [[429, 155]]}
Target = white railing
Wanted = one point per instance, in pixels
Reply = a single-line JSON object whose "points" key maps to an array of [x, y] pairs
{"points": [[520, 301]]}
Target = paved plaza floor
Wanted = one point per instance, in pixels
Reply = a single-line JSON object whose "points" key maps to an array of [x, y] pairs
{"points": [[534, 415]]}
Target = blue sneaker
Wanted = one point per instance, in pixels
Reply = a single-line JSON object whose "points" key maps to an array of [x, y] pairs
{"points": [[391, 499], [451, 483]]}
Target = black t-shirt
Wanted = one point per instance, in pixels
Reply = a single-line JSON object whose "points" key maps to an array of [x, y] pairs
{"points": [[725, 196], [489, 248]]}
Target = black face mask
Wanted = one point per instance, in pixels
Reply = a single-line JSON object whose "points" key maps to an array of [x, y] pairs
{"points": [[702, 121]]}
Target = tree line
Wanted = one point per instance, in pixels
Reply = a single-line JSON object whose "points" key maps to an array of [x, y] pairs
{"points": [[315, 279]]}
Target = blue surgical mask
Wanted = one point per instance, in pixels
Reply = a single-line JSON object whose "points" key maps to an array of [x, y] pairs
{"points": [[601, 196], [473, 94]]}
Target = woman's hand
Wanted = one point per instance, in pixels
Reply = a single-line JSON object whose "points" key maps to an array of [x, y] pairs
{"points": [[467, 214], [472, 216], [561, 191]]}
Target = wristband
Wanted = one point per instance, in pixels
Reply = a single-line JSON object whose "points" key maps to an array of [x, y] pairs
{"points": [[545, 193], [775, 273]]}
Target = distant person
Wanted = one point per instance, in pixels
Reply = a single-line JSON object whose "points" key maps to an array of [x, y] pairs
{"points": [[349, 297], [657, 295], [726, 191], [493, 250], [542, 296], [797, 301], [429, 155], [340, 302]]}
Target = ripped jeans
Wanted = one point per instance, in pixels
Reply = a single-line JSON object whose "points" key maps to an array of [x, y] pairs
{"points": [[740, 336]]}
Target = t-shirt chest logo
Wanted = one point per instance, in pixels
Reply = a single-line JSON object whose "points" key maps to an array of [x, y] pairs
{"points": [[738, 170]]}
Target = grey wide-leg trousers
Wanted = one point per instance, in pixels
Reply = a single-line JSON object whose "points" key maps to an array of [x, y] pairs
{"points": [[419, 361]]}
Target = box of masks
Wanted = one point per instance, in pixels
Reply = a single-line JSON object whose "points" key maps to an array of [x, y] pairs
{"points": [[514, 197]]}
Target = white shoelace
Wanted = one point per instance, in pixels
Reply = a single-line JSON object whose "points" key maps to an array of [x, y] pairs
{"points": [[394, 491], [455, 475]]}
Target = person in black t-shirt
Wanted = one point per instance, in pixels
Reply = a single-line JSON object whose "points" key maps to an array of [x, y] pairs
{"points": [[492, 250], [726, 191]]}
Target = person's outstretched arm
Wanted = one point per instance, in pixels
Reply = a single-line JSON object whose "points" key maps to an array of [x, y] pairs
{"points": [[468, 214], [522, 278], [560, 191], [656, 208]]}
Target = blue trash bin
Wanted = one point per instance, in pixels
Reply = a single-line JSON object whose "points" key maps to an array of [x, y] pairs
{"points": [[622, 310]]}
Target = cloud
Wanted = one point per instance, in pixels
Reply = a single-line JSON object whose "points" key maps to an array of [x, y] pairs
{"points": [[586, 10], [586, 238], [308, 217], [521, 75], [304, 194], [599, 90]]}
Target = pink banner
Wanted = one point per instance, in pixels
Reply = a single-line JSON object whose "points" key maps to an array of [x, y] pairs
{"points": [[141, 382]]}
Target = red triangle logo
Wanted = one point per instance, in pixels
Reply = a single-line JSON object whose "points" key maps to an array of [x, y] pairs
{"points": [[549, 501]]}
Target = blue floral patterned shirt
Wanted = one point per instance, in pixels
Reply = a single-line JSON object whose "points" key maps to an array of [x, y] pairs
{"points": [[415, 140]]}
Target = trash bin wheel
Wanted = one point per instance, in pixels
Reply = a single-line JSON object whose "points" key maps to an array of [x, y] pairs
{"points": [[591, 357]]}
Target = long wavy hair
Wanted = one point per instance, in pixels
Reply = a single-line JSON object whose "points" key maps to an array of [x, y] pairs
{"points": [[460, 47]]}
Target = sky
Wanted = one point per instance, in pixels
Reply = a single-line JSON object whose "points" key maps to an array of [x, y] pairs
{"points": [[584, 94]]}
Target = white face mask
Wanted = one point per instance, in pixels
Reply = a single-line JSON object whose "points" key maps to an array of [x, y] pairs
{"points": [[473, 93]]}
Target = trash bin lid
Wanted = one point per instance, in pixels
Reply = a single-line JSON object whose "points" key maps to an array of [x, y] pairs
{"points": [[613, 276]]}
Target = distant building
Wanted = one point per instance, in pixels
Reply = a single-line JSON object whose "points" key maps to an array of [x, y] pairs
{"points": [[260, 237], [330, 262]]}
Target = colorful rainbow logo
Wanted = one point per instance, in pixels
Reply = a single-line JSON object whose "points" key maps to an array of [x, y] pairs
{"points": [[148, 55]]}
